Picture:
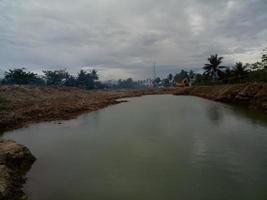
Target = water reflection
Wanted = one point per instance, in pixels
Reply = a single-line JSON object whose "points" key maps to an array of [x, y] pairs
{"points": [[215, 114], [153, 147], [252, 117]]}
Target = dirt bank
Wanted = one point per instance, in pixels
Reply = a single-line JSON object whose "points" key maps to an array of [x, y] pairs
{"points": [[15, 161], [251, 95], [21, 105]]}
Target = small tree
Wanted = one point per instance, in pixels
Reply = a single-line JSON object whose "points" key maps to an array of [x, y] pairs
{"points": [[87, 79], [166, 82], [128, 83], [256, 66], [178, 78], [240, 71], [170, 77], [57, 77], [264, 58], [70, 81], [157, 81], [21, 77]]}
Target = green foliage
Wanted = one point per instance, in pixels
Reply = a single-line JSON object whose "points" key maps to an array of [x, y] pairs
{"points": [[170, 77], [21, 77], [157, 81], [258, 76], [264, 59], [128, 83], [99, 85], [191, 74], [70, 81], [166, 82], [202, 79], [3, 103], [178, 78], [240, 72], [87, 79], [214, 68], [56, 77], [214, 73], [63, 78]]}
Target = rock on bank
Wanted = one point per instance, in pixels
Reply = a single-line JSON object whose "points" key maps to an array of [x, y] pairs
{"points": [[15, 161]]}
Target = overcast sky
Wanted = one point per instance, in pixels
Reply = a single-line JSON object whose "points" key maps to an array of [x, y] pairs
{"points": [[123, 38]]}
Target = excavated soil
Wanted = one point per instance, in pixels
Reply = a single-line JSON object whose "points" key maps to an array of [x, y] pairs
{"points": [[22, 105], [251, 95]]}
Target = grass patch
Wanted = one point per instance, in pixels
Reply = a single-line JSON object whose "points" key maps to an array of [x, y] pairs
{"points": [[4, 105]]}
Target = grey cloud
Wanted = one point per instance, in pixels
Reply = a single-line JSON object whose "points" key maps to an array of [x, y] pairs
{"points": [[127, 36]]}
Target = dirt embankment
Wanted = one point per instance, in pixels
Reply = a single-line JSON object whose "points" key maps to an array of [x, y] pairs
{"points": [[21, 105], [252, 95], [15, 161]]}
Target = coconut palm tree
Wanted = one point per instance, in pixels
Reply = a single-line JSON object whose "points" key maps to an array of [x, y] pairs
{"points": [[214, 68], [240, 71], [264, 58]]}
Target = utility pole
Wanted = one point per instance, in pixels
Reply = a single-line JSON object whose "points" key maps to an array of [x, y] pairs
{"points": [[154, 71], [154, 75]]}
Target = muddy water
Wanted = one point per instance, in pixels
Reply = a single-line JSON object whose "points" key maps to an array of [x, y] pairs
{"points": [[151, 148]]}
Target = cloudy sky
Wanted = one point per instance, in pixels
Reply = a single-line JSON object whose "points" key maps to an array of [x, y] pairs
{"points": [[123, 38]]}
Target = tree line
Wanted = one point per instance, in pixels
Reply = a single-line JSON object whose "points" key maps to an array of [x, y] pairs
{"points": [[214, 73], [84, 79]]}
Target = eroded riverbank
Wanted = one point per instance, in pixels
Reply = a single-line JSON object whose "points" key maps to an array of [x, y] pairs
{"points": [[152, 147], [251, 95], [22, 105]]}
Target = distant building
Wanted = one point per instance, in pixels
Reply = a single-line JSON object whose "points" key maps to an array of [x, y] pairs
{"points": [[184, 83]]}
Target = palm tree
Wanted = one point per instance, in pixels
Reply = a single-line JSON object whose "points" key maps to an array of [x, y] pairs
{"points": [[264, 58], [170, 77], [240, 71], [213, 69]]}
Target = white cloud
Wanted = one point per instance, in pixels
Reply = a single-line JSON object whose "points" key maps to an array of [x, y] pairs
{"points": [[196, 21], [230, 5]]}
